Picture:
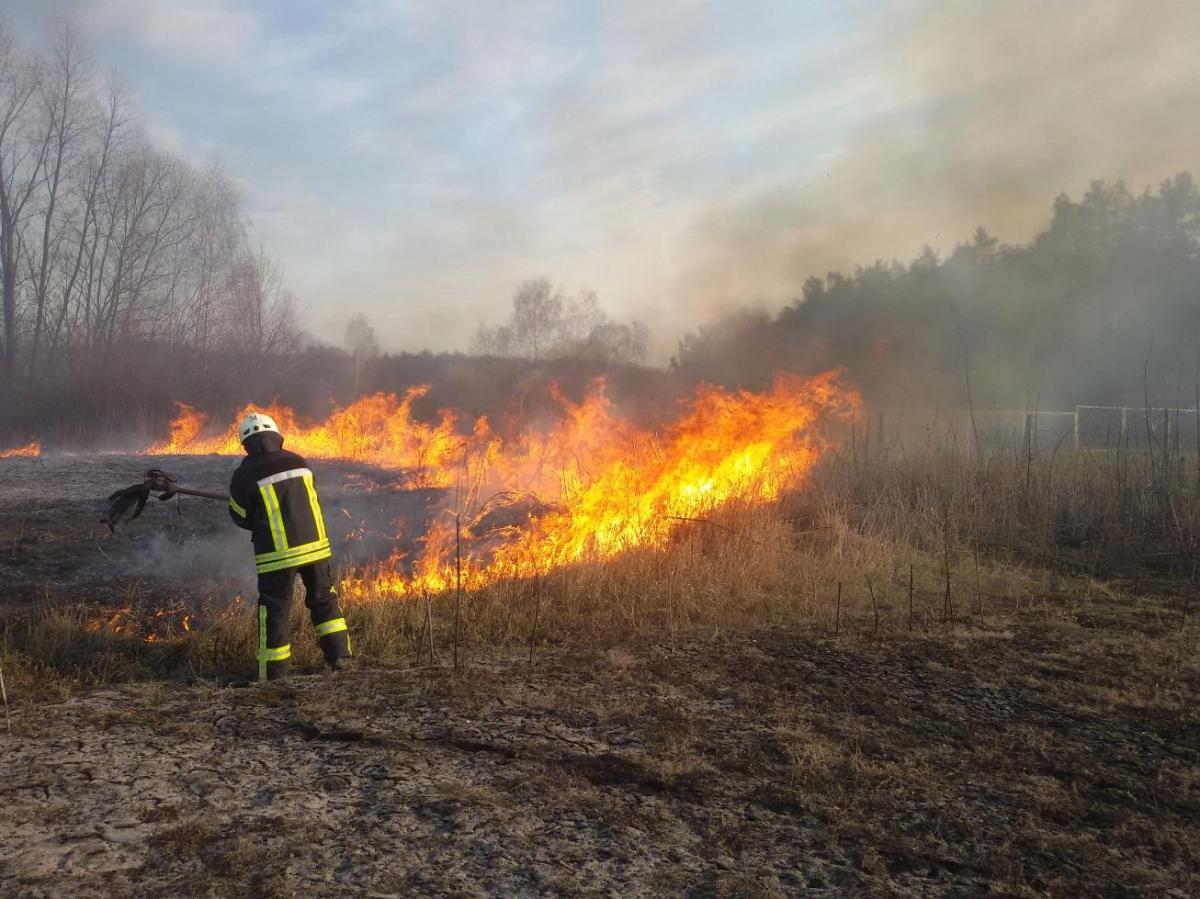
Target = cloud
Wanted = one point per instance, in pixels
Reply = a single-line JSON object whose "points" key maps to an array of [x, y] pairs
{"points": [[165, 136], [200, 31], [232, 40]]}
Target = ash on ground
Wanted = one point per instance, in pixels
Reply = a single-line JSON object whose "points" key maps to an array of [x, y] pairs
{"points": [[182, 553]]}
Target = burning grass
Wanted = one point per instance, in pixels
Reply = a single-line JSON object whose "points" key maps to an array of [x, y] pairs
{"points": [[30, 450], [821, 559], [589, 487], [745, 513], [606, 488], [379, 429]]}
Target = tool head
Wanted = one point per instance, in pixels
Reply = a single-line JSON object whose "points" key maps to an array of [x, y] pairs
{"points": [[127, 503], [161, 482]]}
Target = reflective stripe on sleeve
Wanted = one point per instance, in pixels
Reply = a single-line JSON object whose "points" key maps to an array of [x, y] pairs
{"points": [[233, 504]]}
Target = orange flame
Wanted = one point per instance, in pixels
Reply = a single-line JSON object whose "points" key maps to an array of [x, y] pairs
{"points": [[29, 450], [600, 484], [615, 487], [379, 429]]}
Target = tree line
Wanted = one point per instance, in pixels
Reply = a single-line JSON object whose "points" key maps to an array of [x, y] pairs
{"points": [[1102, 306]]}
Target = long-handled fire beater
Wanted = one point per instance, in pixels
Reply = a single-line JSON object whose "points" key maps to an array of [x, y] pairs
{"points": [[127, 503]]}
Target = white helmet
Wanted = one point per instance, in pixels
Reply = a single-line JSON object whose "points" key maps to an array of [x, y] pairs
{"points": [[256, 423]]}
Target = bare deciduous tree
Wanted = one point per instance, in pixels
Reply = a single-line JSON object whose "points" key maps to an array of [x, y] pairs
{"points": [[64, 94], [261, 309], [109, 244], [545, 323], [362, 345], [22, 157]]}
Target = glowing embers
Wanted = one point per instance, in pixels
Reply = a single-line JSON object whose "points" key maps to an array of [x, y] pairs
{"points": [[139, 624]]}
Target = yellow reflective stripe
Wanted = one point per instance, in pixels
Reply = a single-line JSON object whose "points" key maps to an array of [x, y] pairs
{"points": [[275, 654], [236, 508], [284, 476], [316, 505], [268, 567], [303, 549], [262, 642], [290, 563], [274, 516], [333, 626]]}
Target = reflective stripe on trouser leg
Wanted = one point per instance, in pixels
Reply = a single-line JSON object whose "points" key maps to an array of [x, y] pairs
{"points": [[335, 639], [331, 627], [274, 604], [322, 602], [269, 655]]}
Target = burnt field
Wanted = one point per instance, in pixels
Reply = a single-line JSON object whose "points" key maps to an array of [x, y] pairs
{"points": [[741, 714], [182, 555]]}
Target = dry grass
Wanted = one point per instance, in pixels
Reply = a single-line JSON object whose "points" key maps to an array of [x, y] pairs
{"points": [[892, 543]]}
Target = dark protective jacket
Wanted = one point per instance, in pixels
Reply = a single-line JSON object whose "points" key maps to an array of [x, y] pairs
{"points": [[273, 496]]}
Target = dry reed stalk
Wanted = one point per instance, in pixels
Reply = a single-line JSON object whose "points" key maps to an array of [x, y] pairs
{"points": [[837, 620], [874, 605], [4, 693], [978, 589], [948, 611], [537, 611], [671, 607], [1198, 408], [428, 628], [910, 596], [457, 583]]}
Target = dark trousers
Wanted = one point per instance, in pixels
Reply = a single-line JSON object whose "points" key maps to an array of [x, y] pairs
{"points": [[274, 613]]}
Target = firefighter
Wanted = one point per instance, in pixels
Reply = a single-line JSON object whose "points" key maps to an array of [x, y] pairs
{"points": [[273, 496]]}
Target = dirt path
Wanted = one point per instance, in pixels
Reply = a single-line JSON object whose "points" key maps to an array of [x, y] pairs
{"points": [[1050, 755]]}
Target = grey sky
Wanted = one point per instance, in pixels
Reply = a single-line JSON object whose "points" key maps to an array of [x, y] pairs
{"points": [[416, 160]]}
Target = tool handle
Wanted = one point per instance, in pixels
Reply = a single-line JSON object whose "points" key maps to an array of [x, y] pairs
{"points": [[207, 494]]}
